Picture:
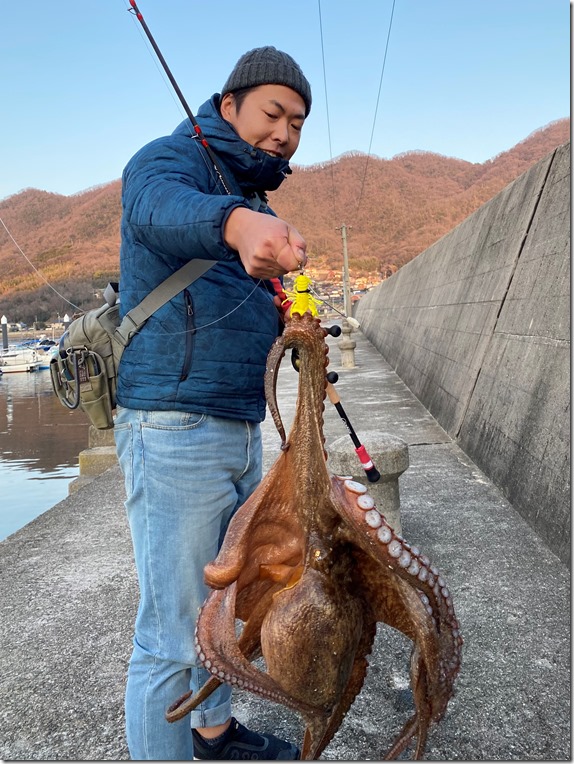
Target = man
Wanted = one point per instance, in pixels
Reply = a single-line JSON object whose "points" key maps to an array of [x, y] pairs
{"points": [[190, 386]]}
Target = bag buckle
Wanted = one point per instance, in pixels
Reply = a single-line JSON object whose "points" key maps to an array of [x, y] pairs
{"points": [[71, 397]]}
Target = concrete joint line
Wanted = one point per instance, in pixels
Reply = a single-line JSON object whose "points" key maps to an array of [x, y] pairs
{"points": [[555, 342], [506, 291], [523, 242], [431, 443]]}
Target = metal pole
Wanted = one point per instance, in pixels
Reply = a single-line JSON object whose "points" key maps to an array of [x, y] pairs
{"points": [[346, 278], [4, 322]]}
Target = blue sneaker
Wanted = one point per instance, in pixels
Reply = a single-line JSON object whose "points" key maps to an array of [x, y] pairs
{"points": [[237, 742]]}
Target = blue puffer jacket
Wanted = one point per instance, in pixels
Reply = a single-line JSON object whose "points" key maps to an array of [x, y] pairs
{"points": [[205, 350]]}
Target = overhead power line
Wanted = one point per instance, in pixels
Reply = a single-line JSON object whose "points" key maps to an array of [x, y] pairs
{"points": [[377, 104], [343, 227]]}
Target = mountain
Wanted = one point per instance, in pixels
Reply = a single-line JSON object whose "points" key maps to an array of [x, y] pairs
{"points": [[398, 207], [393, 209]]}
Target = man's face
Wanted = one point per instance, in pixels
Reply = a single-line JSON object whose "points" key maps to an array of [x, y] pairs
{"points": [[270, 118]]}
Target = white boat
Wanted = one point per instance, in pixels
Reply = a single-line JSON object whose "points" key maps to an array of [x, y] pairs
{"points": [[19, 359], [45, 354]]}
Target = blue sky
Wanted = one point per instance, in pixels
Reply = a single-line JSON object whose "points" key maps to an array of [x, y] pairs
{"points": [[81, 90]]}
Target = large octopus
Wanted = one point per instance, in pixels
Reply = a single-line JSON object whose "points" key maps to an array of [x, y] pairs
{"points": [[310, 566]]}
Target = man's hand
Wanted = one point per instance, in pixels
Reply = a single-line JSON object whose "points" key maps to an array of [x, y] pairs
{"points": [[267, 246]]}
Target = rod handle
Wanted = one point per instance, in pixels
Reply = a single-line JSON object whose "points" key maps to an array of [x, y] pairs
{"points": [[372, 473]]}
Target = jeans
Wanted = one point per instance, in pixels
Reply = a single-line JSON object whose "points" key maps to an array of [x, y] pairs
{"points": [[185, 475]]}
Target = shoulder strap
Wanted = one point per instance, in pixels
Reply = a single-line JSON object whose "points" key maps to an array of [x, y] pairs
{"points": [[168, 289]]}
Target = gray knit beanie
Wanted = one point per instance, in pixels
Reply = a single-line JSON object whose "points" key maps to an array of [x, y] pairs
{"points": [[268, 66]]}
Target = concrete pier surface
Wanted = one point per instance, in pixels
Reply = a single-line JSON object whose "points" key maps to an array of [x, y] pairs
{"points": [[69, 596]]}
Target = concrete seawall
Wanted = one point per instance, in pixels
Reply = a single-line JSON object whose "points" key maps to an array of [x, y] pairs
{"points": [[478, 327]]}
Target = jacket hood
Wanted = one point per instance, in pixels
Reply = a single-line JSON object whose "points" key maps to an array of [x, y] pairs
{"points": [[253, 169]]}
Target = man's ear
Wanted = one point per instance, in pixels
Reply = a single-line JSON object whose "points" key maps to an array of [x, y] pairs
{"points": [[226, 106]]}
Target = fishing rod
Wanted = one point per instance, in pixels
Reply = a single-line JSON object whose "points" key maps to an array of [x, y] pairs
{"points": [[350, 320], [136, 11], [372, 473]]}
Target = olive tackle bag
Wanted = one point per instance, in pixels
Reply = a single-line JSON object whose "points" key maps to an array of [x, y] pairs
{"points": [[84, 370]]}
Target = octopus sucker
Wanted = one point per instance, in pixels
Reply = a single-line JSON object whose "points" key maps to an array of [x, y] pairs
{"points": [[373, 518], [309, 566], [354, 487]]}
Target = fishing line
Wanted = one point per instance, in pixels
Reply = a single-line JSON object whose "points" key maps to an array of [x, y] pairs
{"points": [[211, 323], [376, 105], [333, 194], [360, 197], [350, 320], [31, 264], [159, 334], [258, 283], [154, 58]]}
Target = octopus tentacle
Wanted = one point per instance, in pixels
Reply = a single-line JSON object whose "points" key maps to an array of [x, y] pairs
{"points": [[273, 537], [249, 643], [418, 724], [348, 696], [408, 562], [221, 656], [399, 605], [404, 737], [270, 384], [187, 702], [380, 541]]}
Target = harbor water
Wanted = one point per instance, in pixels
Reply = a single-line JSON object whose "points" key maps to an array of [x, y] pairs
{"points": [[40, 442]]}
